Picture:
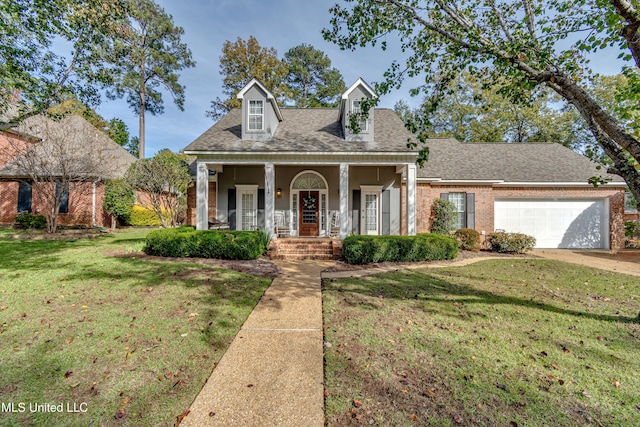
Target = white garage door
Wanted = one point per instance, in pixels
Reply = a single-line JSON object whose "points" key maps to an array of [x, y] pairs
{"points": [[556, 223]]}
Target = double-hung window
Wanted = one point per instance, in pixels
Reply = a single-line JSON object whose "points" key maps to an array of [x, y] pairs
{"points": [[63, 192], [459, 201], [363, 123], [256, 115]]}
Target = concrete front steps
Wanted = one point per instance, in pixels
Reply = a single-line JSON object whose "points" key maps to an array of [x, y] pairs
{"points": [[297, 248]]}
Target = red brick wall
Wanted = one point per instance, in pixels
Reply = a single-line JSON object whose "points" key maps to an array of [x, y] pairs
{"points": [[10, 146], [80, 204], [485, 197], [191, 203]]}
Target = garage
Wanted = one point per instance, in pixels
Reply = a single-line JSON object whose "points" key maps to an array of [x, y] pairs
{"points": [[569, 223]]}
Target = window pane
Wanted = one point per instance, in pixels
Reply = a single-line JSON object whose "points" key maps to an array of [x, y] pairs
{"points": [[458, 199], [371, 212], [248, 213]]}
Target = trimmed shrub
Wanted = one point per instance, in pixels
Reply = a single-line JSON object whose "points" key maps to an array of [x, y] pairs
{"points": [[423, 247], [468, 239], [444, 217], [511, 242], [185, 242], [144, 217], [27, 221]]}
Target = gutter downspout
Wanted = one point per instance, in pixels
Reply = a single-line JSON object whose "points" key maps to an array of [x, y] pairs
{"points": [[93, 204]]}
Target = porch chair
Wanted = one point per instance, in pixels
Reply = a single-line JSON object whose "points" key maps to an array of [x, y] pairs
{"points": [[281, 226], [334, 225], [214, 224]]}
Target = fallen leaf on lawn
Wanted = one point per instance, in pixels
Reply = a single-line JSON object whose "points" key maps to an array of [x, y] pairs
{"points": [[69, 341], [193, 314], [599, 338], [120, 414], [68, 374], [616, 383], [585, 393], [543, 354], [458, 419], [502, 387], [168, 375], [180, 417], [125, 400], [88, 334], [4, 307], [513, 424], [211, 414], [414, 417], [554, 366], [183, 335], [357, 403]]}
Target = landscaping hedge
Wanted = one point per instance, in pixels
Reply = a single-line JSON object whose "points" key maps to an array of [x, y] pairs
{"points": [[26, 220], [423, 247], [187, 242], [511, 242]]}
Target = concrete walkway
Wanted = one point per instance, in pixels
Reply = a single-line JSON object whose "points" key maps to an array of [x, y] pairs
{"points": [[626, 261], [272, 373]]}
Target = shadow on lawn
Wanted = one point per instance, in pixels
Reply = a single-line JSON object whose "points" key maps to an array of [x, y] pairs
{"points": [[19, 254], [410, 285]]}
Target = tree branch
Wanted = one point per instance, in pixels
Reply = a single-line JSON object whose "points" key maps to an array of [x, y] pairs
{"points": [[630, 32]]}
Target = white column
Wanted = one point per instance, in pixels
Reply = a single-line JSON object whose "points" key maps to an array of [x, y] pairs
{"points": [[269, 201], [344, 200], [202, 197], [411, 199]]}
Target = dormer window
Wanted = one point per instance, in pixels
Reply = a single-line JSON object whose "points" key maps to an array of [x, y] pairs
{"points": [[363, 123], [256, 115]]}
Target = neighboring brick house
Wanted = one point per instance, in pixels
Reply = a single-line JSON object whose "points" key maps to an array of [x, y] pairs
{"points": [[93, 155], [304, 170]]}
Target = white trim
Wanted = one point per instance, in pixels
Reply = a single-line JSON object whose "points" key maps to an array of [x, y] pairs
{"points": [[246, 189], [357, 110], [364, 191], [249, 115], [262, 87], [500, 183], [296, 193], [357, 83]]}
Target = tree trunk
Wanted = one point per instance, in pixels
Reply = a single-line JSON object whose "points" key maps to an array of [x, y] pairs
{"points": [[141, 124]]}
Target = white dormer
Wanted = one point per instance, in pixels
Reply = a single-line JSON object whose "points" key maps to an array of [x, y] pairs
{"points": [[350, 104], [260, 112]]}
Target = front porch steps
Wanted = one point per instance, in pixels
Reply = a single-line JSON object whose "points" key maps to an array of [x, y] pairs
{"points": [[293, 248]]}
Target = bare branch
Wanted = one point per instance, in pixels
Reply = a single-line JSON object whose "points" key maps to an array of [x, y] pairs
{"points": [[531, 25]]}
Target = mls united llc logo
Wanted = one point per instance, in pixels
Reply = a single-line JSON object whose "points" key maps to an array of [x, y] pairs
{"points": [[22, 407]]}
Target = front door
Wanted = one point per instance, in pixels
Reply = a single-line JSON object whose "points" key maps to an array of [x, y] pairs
{"points": [[370, 213], [309, 208]]}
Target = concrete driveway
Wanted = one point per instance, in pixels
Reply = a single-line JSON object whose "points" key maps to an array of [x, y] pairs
{"points": [[625, 261]]}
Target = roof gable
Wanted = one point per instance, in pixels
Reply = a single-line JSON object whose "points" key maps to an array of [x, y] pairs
{"points": [[272, 100]]}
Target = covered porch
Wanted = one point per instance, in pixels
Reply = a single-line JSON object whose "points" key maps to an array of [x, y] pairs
{"points": [[302, 198]]}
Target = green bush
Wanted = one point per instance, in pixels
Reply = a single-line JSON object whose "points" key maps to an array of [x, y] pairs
{"points": [[468, 239], [444, 217], [27, 220], [511, 242], [187, 242], [118, 199], [423, 247]]}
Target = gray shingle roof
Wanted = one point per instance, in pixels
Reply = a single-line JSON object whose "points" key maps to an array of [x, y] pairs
{"points": [[70, 143], [313, 130], [450, 159]]}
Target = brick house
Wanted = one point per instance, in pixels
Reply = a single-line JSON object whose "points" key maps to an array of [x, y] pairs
{"points": [[304, 171], [92, 157]]}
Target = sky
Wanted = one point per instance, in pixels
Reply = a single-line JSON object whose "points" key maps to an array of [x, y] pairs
{"points": [[281, 24]]}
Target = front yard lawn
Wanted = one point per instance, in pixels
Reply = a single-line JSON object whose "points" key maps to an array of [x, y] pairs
{"points": [[514, 342], [121, 341]]}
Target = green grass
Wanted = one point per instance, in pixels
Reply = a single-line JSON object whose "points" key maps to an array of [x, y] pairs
{"points": [[133, 339], [509, 342]]}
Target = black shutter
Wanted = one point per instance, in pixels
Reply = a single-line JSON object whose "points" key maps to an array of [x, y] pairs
{"points": [[355, 213], [231, 208], [24, 196], [471, 210], [260, 207], [386, 212], [64, 200], [444, 196]]}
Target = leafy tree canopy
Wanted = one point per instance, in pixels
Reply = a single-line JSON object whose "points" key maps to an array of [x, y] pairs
{"points": [[145, 58], [518, 45], [311, 81], [32, 76], [241, 61]]}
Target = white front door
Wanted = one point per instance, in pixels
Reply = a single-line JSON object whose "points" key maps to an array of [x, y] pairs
{"points": [[370, 213], [247, 210]]}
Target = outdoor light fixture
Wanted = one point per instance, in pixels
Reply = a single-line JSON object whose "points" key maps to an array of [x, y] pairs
{"points": [[279, 192]]}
